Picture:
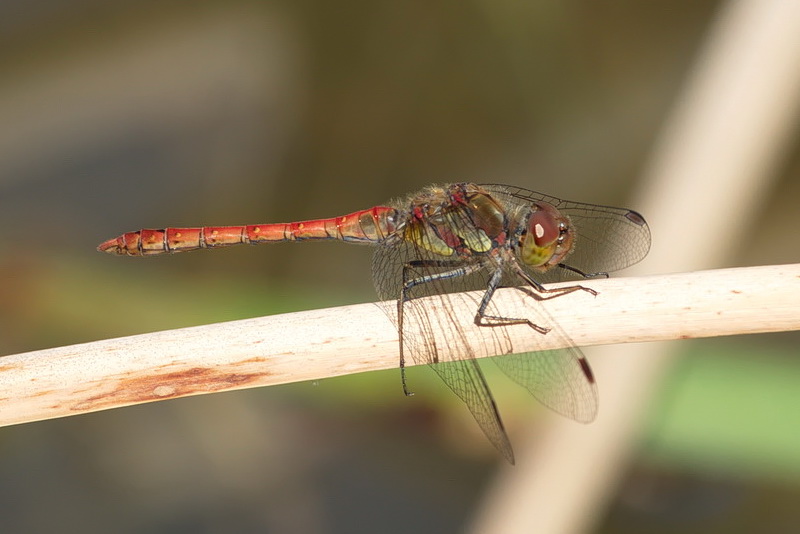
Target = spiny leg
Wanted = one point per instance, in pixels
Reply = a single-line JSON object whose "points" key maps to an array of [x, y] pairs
{"points": [[409, 284], [482, 319], [581, 273], [553, 292]]}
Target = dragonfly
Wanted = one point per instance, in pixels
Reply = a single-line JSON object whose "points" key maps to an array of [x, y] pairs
{"points": [[434, 246]]}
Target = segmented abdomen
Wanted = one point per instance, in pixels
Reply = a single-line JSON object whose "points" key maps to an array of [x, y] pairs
{"points": [[365, 226]]}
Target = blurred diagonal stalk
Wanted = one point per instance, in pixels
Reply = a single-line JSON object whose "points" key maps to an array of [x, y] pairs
{"points": [[708, 178], [329, 342]]}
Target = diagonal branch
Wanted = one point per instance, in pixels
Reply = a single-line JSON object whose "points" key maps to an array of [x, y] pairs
{"points": [[351, 339]]}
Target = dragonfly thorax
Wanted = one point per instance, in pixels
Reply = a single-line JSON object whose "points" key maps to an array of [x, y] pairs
{"points": [[462, 220], [546, 239]]}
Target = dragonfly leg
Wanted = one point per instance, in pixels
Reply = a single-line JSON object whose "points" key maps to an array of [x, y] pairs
{"points": [[482, 319], [581, 273], [552, 292], [410, 283]]}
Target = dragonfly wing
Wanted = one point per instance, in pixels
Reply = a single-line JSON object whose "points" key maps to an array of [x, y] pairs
{"points": [[416, 268], [432, 335], [466, 380], [559, 379], [607, 238]]}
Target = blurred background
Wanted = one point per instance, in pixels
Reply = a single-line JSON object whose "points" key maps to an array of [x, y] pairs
{"points": [[117, 115]]}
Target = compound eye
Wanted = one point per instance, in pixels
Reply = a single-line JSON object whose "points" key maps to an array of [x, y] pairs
{"points": [[547, 238], [544, 229]]}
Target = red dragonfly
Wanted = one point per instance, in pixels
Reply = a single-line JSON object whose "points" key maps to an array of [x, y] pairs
{"points": [[448, 239]]}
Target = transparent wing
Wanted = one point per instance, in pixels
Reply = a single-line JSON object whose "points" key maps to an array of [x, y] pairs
{"points": [[432, 333], [607, 239], [560, 379]]}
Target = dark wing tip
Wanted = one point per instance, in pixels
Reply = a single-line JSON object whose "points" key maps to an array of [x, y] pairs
{"points": [[636, 218]]}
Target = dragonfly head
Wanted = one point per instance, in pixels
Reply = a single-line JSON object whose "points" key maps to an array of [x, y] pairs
{"points": [[547, 238]]}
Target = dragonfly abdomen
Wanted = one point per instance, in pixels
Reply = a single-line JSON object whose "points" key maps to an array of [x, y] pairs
{"points": [[365, 226]]}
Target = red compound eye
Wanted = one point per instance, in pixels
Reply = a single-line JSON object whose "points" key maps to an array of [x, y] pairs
{"points": [[543, 227], [547, 239]]}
